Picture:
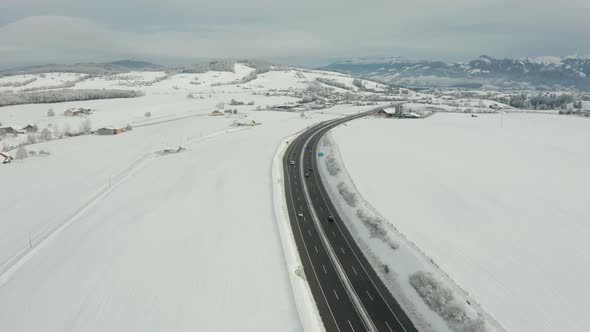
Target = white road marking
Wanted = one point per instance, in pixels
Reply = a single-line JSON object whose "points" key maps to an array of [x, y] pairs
{"points": [[325, 271], [333, 234], [369, 295], [389, 327], [350, 324], [316, 249], [342, 249], [337, 298], [309, 232], [352, 267]]}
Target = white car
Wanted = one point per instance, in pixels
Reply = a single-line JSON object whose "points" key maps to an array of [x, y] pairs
{"points": [[292, 162], [300, 214]]}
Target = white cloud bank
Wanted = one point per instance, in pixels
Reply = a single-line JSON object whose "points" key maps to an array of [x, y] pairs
{"points": [[41, 31]]}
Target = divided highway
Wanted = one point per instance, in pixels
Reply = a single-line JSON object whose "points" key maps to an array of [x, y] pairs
{"points": [[347, 291]]}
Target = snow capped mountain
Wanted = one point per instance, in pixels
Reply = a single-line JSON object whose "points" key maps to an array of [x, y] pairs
{"points": [[540, 72]]}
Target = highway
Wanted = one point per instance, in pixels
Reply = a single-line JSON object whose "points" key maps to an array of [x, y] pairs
{"points": [[348, 293]]}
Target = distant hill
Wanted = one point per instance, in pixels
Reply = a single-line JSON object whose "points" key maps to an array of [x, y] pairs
{"points": [[86, 68], [543, 72]]}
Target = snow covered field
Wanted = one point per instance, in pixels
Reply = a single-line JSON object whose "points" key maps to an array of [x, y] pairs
{"points": [[107, 234], [498, 202]]}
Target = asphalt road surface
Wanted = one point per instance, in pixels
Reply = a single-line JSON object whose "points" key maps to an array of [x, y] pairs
{"points": [[347, 291]]}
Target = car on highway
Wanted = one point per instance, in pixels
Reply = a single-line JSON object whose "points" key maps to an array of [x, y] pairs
{"points": [[300, 214], [292, 162], [306, 174], [330, 218]]}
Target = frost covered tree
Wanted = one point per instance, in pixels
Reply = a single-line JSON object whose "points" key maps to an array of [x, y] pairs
{"points": [[220, 105], [46, 134], [31, 139], [358, 83], [50, 112], [21, 153], [148, 114], [85, 126], [67, 128], [302, 115], [128, 128], [482, 104]]}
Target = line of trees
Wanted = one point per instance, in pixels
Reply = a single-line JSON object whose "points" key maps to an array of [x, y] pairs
{"points": [[18, 84], [333, 83], [60, 96], [64, 85]]}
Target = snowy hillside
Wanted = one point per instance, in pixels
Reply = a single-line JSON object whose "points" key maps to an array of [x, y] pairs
{"points": [[497, 202], [166, 226], [541, 72]]}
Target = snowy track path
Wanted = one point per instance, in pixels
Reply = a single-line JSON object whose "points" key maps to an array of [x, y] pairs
{"points": [[9, 267]]}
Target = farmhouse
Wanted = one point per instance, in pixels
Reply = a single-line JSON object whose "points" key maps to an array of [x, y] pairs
{"points": [[31, 128], [109, 131], [386, 112], [78, 111], [9, 130], [216, 113]]}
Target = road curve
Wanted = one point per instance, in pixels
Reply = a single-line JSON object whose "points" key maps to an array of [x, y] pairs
{"points": [[347, 291]]}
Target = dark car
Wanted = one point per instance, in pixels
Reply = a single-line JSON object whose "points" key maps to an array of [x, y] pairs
{"points": [[330, 218]]}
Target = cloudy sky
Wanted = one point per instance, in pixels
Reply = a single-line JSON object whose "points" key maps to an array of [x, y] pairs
{"points": [[308, 32]]}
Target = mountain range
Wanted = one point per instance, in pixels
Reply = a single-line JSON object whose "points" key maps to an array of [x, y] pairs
{"points": [[572, 72]]}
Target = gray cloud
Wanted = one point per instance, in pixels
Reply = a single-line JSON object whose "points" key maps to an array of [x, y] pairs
{"points": [[38, 31]]}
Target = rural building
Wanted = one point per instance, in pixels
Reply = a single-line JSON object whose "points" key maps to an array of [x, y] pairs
{"points": [[7, 158], [386, 112], [109, 131], [412, 115], [78, 111], [216, 113], [9, 130], [31, 128]]}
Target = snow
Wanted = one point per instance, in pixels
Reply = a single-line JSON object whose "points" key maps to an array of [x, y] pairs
{"points": [[107, 234], [545, 60], [50, 79], [498, 202], [397, 261]]}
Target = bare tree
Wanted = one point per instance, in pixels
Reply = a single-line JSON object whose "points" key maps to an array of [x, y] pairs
{"points": [[46, 134], [50, 112], [220, 105], [302, 115], [85, 126], [148, 114], [31, 139], [21, 153], [68, 128]]}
